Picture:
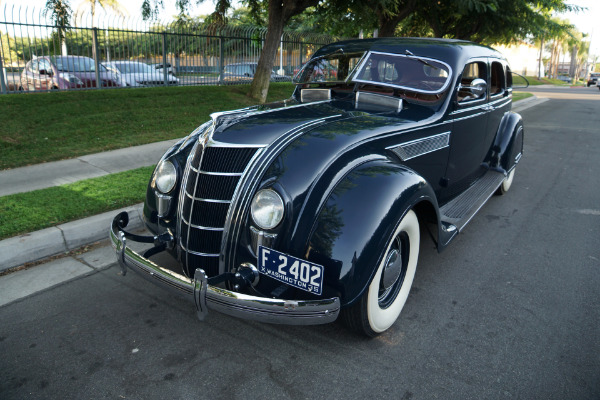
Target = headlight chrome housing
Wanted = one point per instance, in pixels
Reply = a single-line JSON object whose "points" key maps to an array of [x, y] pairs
{"points": [[165, 176], [267, 209]]}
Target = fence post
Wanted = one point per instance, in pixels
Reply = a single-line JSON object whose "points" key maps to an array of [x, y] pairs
{"points": [[164, 57], [95, 54], [2, 78], [3, 82], [221, 59]]}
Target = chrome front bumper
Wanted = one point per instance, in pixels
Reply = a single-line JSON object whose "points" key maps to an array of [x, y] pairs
{"points": [[205, 296]]}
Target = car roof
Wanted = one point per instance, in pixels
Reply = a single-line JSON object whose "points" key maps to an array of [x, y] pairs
{"points": [[452, 51]]}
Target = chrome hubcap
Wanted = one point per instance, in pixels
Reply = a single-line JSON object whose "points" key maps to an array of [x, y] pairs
{"points": [[394, 270], [393, 267]]}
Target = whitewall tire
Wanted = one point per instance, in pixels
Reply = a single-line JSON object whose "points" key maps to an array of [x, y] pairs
{"points": [[381, 304]]}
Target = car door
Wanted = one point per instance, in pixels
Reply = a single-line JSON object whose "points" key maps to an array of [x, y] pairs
{"points": [[499, 102], [44, 75], [469, 129], [32, 73]]}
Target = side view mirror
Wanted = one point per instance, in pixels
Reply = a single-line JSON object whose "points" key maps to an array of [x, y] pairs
{"points": [[476, 88], [45, 72]]}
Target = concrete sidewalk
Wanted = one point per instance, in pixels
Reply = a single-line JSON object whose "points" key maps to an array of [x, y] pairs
{"points": [[63, 238], [49, 242], [40, 176]]}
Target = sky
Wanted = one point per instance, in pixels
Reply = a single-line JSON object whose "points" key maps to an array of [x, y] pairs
{"points": [[584, 20]]}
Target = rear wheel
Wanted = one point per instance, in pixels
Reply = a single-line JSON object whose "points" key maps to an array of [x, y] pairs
{"points": [[380, 306], [507, 182]]}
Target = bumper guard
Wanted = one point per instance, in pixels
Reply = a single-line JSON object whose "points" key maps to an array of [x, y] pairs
{"points": [[205, 296]]}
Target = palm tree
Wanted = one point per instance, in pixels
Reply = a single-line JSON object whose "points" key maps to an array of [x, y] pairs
{"points": [[112, 5]]}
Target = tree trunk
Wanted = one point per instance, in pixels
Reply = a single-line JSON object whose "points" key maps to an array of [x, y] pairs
{"points": [[540, 61], [262, 78], [280, 11]]}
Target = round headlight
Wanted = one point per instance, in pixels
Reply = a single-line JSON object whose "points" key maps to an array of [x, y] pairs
{"points": [[165, 176], [267, 209]]}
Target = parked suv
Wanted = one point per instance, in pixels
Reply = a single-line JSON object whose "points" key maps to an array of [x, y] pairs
{"points": [[64, 72], [593, 79]]}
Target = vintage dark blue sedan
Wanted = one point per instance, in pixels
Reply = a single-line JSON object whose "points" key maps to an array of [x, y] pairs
{"points": [[304, 210]]}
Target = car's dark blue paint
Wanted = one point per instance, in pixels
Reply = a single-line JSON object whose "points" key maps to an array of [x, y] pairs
{"points": [[344, 188], [347, 237]]}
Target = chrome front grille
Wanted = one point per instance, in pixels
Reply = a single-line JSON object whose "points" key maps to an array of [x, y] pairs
{"points": [[211, 178]]}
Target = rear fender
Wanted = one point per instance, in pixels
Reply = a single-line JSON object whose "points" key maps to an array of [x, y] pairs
{"points": [[356, 222], [508, 146]]}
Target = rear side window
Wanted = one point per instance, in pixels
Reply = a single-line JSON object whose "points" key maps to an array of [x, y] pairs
{"points": [[497, 82]]}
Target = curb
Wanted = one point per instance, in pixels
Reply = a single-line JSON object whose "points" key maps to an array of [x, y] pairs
{"points": [[63, 238]]}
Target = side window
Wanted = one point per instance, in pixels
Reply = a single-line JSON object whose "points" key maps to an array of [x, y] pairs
{"points": [[509, 82], [45, 65], [497, 83], [472, 73], [34, 67]]}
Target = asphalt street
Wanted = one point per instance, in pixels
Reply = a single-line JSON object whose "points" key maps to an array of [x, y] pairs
{"points": [[511, 310]]}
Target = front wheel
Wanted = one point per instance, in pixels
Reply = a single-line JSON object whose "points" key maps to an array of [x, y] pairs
{"points": [[379, 307]]}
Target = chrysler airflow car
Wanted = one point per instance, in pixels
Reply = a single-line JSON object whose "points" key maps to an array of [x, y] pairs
{"points": [[313, 208]]}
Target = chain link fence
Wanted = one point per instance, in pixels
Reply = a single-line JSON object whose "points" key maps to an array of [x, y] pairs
{"points": [[112, 51]]}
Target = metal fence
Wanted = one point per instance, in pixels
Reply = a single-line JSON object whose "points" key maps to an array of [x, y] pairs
{"points": [[113, 51]]}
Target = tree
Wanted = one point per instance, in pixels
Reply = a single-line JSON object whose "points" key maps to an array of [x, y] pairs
{"points": [[60, 11], [279, 13], [112, 5]]}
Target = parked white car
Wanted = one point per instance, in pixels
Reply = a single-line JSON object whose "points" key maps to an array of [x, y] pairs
{"points": [[159, 68], [135, 73]]}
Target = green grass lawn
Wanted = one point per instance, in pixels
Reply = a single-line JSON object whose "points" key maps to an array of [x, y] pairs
{"points": [[41, 127], [520, 96], [31, 211], [534, 81]]}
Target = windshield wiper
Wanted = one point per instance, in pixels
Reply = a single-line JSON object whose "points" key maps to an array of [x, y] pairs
{"points": [[411, 55]]}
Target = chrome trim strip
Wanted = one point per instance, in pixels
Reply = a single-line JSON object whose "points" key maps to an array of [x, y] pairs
{"points": [[183, 192], [482, 106], [415, 148], [518, 157], [219, 173], [215, 143], [205, 296], [207, 200], [204, 228], [197, 253], [468, 116]]}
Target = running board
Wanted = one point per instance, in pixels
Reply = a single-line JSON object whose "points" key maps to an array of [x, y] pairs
{"points": [[460, 210]]}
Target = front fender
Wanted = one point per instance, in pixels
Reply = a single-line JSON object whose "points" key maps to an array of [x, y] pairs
{"points": [[355, 224], [508, 146]]}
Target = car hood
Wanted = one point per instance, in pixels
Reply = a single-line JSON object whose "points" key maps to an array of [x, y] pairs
{"points": [[265, 124]]}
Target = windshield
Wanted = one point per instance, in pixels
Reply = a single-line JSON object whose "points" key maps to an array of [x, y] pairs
{"points": [[418, 74], [76, 64], [335, 67], [134, 68]]}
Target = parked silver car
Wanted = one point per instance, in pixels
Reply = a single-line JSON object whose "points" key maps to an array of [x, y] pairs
{"points": [[135, 73]]}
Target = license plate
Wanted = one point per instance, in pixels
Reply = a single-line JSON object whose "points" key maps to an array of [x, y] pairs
{"points": [[295, 272]]}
